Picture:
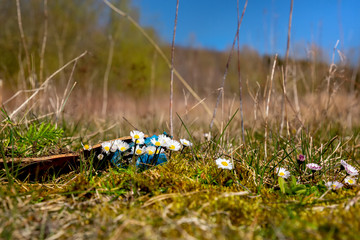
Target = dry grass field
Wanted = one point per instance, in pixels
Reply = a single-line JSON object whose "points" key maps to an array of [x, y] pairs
{"points": [[290, 171]]}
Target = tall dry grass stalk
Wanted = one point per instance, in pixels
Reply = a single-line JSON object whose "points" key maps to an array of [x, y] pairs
{"points": [[239, 73], [172, 72], [268, 105], [221, 88], [23, 40], [106, 77], [43, 45], [69, 88], [296, 97], [283, 108], [152, 81], [331, 74]]}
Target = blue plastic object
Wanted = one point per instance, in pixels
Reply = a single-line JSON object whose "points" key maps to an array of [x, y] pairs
{"points": [[143, 162]]}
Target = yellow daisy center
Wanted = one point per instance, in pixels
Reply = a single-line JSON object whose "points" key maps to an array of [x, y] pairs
{"points": [[282, 174], [351, 181], [138, 151], [136, 136], [151, 152], [137, 141], [107, 148], [157, 144], [86, 146], [224, 164], [122, 149], [172, 147], [333, 186]]}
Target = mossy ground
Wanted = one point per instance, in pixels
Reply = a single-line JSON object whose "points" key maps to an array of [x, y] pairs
{"points": [[188, 197]]}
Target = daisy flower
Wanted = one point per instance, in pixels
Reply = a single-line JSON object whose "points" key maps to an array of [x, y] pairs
{"points": [[173, 145], [122, 146], [343, 164], [139, 150], [164, 140], [349, 169], [100, 156], [334, 185], [185, 143], [282, 172], [350, 180], [86, 147], [139, 141], [301, 158], [158, 142], [114, 147], [313, 166], [224, 163], [150, 150], [135, 135], [106, 147]]}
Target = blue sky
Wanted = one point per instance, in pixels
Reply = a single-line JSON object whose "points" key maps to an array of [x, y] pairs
{"points": [[212, 24]]}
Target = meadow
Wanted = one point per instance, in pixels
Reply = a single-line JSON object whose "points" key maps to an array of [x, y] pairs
{"points": [[271, 151]]}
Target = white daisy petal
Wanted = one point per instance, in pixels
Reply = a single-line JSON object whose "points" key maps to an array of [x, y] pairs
{"points": [[173, 145], [333, 185], [150, 150], [86, 147], [139, 150], [313, 166], [351, 170], [185, 143], [349, 180], [224, 163], [122, 146], [139, 141], [164, 140], [106, 147], [136, 135], [282, 172], [156, 142], [113, 148], [343, 163]]}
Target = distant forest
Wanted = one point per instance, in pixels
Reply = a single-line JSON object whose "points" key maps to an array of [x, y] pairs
{"points": [[54, 32]]}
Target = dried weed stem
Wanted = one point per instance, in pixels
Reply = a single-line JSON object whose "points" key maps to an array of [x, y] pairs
{"points": [[172, 72], [43, 46], [268, 104], [283, 106], [106, 77], [16, 111], [240, 82]]}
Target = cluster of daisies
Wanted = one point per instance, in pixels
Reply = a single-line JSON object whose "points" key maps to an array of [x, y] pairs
{"points": [[350, 172], [148, 150]]}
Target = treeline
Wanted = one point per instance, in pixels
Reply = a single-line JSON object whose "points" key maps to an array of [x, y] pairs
{"points": [[57, 31], [37, 37], [205, 70]]}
